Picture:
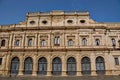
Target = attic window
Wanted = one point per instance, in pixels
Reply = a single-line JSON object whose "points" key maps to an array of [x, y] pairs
{"points": [[82, 21], [32, 22], [44, 22], [69, 21]]}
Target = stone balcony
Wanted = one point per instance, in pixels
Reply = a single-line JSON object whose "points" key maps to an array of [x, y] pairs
{"points": [[59, 48]]}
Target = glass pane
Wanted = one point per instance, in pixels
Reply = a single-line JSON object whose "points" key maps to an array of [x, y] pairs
{"points": [[56, 66], [14, 66], [100, 67]]}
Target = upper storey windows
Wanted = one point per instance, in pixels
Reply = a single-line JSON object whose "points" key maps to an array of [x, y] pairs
{"points": [[43, 42], [57, 41], [30, 42], [17, 43], [3, 43], [97, 42], [113, 42], [84, 42], [70, 42]]}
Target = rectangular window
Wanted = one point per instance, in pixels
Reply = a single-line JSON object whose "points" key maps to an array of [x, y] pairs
{"points": [[116, 61], [0, 61], [57, 41]]}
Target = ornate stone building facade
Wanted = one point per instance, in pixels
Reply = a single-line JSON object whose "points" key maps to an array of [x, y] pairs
{"points": [[60, 43]]}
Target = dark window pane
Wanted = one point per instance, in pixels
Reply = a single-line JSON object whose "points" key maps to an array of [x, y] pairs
{"points": [[42, 66], [116, 61], [28, 66], [30, 42], [100, 65], [86, 65], [84, 42], [70, 42], [14, 66], [71, 66], [113, 42], [0, 61], [2, 43], [57, 41], [17, 42], [56, 66], [97, 41]]}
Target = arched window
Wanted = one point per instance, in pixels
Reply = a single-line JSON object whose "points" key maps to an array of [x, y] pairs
{"points": [[100, 65], [42, 66], [86, 65], [17, 43], [84, 42], [56, 66], [30, 42], [70, 42], [43, 43], [71, 66], [28, 65], [57, 41], [14, 66], [113, 42], [97, 42], [3, 43]]}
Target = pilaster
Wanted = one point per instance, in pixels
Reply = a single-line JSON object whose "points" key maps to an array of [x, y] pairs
{"points": [[21, 66], [63, 66], [93, 66], [78, 66], [34, 72], [49, 66]]}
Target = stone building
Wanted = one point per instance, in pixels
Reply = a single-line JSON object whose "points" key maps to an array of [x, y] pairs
{"points": [[60, 43]]}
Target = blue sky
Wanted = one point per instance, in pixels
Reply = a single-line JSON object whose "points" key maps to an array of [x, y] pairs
{"points": [[14, 11]]}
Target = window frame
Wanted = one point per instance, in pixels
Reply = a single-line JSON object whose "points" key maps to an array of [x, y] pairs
{"points": [[42, 66], [84, 42], [17, 42], [113, 42], [15, 62], [97, 42], [57, 41], [71, 66], [43, 42], [116, 60], [70, 42], [30, 42], [86, 66], [28, 65], [3, 43], [100, 65], [56, 66]]}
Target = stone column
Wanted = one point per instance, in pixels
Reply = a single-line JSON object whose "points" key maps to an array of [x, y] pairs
{"points": [[93, 66], [78, 66], [63, 66], [34, 72], [49, 69], [21, 66]]}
